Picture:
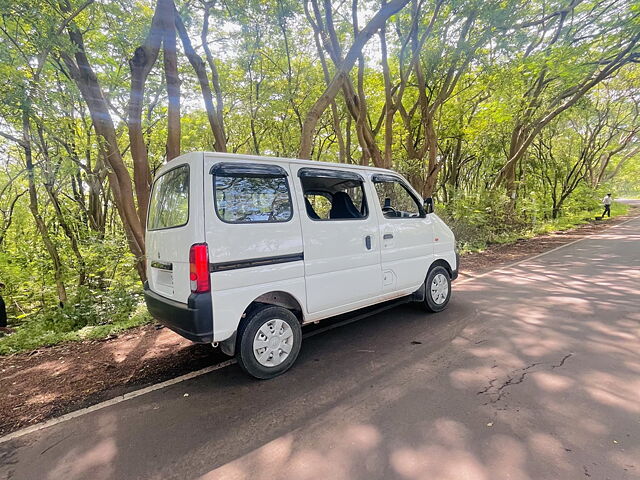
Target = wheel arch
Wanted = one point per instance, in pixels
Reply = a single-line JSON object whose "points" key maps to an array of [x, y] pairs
{"points": [[419, 295], [440, 262], [278, 298]]}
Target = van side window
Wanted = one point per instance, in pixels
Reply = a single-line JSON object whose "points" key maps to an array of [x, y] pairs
{"points": [[396, 200], [334, 198], [169, 205], [252, 198]]}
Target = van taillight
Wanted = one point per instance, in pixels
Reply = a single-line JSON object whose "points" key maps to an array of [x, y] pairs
{"points": [[199, 268]]}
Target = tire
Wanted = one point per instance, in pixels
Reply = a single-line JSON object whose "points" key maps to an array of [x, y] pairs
{"points": [[263, 339], [437, 293]]}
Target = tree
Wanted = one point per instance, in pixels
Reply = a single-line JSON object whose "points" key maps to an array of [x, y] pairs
{"points": [[567, 54]]}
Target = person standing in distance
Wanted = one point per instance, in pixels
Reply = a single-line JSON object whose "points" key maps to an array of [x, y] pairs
{"points": [[606, 201]]}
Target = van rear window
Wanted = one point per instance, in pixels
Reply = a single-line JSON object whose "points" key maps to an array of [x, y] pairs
{"points": [[252, 198], [169, 205]]}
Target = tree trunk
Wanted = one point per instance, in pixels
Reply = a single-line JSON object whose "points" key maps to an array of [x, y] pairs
{"points": [[173, 83], [342, 71], [334, 106], [53, 196], [433, 165], [115, 189], [198, 65], [143, 60], [85, 78], [215, 81], [35, 211], [389, 110]]}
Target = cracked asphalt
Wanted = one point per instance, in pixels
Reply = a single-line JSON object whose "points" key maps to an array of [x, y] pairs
{"points": [[533, 372]]}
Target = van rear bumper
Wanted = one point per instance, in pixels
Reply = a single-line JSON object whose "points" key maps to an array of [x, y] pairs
{"points": [[193, 320]]}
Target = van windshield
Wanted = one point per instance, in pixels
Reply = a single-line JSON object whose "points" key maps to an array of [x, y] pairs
{"points": [[169, 206]]}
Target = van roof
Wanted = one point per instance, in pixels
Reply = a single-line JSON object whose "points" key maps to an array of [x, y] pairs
{"points": [[236, 156]]}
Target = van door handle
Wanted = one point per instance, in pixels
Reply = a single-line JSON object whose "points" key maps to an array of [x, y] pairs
{"points": [[387, 236], [367, 242]]}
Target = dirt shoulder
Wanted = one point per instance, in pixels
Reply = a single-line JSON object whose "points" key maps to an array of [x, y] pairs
{"points": [[52, 381]]}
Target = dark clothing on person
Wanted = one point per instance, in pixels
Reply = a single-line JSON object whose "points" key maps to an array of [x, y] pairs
{"points": [[607, 211], [3, 314]]}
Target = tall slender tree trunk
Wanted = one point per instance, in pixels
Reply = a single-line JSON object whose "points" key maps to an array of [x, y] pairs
{"points": [[334, 106], [389, 110], [433, 165], [521, 138], [214, 114], [342, 71], [81, 71], [143, 60], [55, 201], [35, 211], [173, 83], [215, 80]]}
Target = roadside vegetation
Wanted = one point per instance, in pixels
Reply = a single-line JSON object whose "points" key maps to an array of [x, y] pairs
{"points": [[477, 229], [517, 117], [115, 310]]}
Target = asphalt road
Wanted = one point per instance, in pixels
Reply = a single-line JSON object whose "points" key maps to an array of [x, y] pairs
{"points": [[533, 372]]}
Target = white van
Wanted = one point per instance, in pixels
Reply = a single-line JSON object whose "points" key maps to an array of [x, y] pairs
{"points": [[243, 250]]}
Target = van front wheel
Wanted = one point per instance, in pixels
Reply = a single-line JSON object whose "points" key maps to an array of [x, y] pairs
{"points": [[437, 289], [269, 341]]}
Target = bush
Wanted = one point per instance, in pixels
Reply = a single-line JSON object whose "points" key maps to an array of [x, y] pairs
{"points": [[91, 315], [483, 219]]}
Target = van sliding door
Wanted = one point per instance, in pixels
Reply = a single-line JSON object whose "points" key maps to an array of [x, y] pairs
{"points": [[340, 236]]}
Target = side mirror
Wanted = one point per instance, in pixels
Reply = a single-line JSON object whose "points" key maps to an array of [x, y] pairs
{"points": [[428, 205]]}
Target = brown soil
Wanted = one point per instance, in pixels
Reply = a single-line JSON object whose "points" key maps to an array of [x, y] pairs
{"points": [[55, 380]]}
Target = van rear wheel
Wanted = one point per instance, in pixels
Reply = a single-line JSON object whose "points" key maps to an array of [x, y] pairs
{"points": [[437, 289], [269, 341]]}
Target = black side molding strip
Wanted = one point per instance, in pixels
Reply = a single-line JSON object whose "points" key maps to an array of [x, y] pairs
{"points": [[255, 262]]}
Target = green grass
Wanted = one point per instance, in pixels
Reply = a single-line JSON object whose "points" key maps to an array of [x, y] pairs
{"points": [[35, 334]]}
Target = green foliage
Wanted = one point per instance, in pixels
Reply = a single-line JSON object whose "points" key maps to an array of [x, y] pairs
{"points": [[481, 90], [90, 317], [481, 221]]}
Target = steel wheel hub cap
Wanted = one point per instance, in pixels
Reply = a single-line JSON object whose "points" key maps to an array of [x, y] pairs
{"points": [[439, 289], [273, 343]]}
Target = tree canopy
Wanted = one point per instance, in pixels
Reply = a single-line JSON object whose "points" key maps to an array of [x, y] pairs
{"points": [[508, 113]]}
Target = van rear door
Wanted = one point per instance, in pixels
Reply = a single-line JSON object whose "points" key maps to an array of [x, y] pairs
{"points": [[174, 223]]}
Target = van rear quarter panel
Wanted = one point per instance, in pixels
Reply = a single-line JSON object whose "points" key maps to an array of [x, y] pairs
{"points": [[233, 290]]}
